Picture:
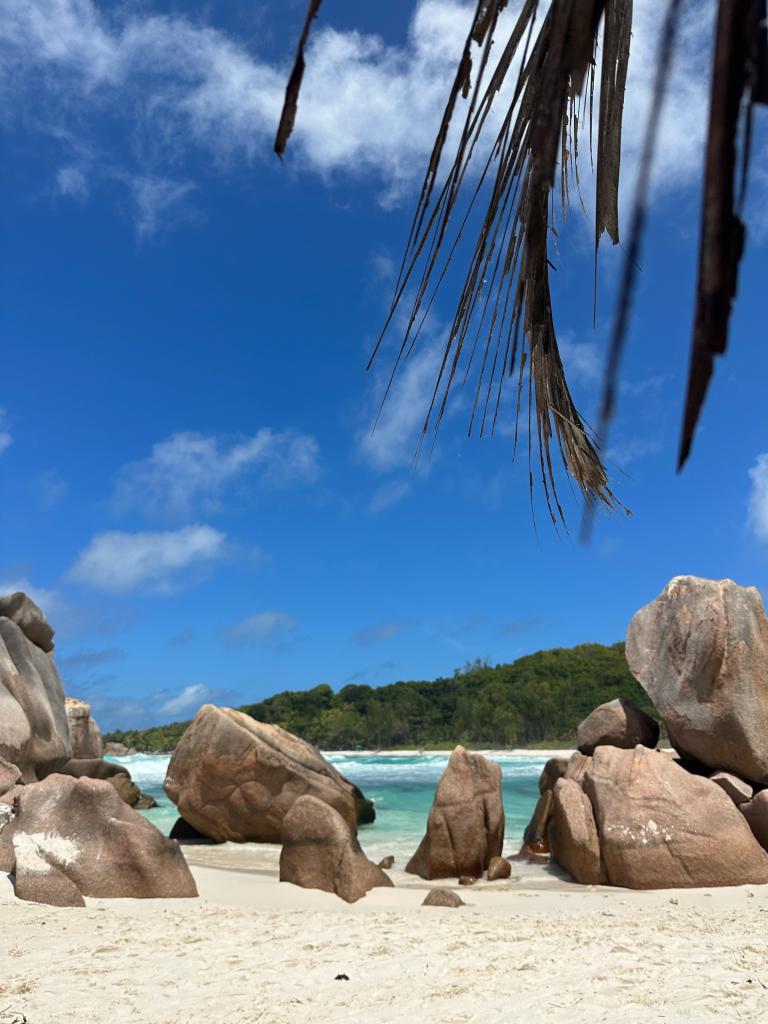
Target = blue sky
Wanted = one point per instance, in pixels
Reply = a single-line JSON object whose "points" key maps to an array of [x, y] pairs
{"points": [[190, 486]]}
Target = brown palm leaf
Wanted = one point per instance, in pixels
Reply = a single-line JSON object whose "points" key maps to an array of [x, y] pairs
{"points": [[503, 326]]}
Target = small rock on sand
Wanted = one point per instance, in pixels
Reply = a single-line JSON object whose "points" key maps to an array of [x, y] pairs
{"points": [[441, 897]]}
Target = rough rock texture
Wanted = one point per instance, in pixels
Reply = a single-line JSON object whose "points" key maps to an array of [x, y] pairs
{"points": [[553, 770], [499, 868], [575, 843], [440, 897], [737, 789], [465, 828], [22, 610], [10, 776], [320, 851], [234, 779], [756, 813], [535, 835], [616, 724], [661, 827], [84, 731], [578, 764], [700, 650], [34, 733], [387, 862], [82, 830]]}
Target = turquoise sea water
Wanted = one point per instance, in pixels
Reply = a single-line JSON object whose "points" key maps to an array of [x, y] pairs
{"points": [[402, 788]]}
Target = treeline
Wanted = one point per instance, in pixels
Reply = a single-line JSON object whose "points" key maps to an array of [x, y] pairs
{"points": [[539, 699]]}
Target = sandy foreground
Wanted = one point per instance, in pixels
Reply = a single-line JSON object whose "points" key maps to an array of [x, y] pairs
{"points": [[254, 950]]}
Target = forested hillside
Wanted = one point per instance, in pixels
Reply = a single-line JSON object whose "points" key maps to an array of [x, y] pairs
{"points": [[538, 699]]}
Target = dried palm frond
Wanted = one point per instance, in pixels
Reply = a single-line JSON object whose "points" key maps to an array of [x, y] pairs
{"points": [[739, 81], [503, 326], [292, 90]]}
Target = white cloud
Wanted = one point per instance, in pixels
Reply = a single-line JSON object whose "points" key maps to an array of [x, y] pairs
{"points": [[758, 497], [190, 471], [392, 442], [157, 200], [367, 107], [119, 562], [6, 438], [624, 451], [188, 701], [72, 182], [274, 628], [388, 494], [582, 360]]}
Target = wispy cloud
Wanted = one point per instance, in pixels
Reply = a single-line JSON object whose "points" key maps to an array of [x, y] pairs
{"points": [[583, 360], [156, 708], [119, 562], [388, 494], [87, 659], [270, 628], [6, 438], [188, 701], [49, 488], [189, 472], [380, 632], [72, 182], [757, 512], [625, 451], [158, 202], [391, 442]]}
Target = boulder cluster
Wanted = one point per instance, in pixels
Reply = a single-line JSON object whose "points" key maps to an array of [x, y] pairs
{"points": [[235, 779], [623, 813], [68, 828], [238, 780]]}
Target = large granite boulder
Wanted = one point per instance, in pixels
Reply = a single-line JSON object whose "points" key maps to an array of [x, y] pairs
{"points": [[234, 779], [80, 830], [34, 733], [465, 828], [618, 723], [321, 851], [84, 731], [662, 827], [700, 650], [22, 610], [574, 839]]}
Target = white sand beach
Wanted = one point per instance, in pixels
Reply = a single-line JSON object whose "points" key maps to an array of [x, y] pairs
{"points": [[254, 950]]}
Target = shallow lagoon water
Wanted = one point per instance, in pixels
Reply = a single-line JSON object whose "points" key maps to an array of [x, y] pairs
{"points": [[401, 785]]}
